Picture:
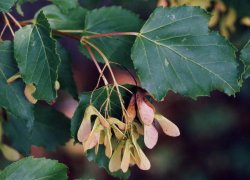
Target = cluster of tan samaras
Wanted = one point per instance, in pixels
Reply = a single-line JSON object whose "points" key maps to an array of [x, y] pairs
{"points": [[120, 137]]}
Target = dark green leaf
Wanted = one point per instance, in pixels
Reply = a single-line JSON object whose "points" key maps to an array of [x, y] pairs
{"points": [[66, 5], [108, 20], [65, 74], [17, 133], [35, 168], [51, 129], [74, 20], [90, 4], [5, 5], [12, 95], [142, 7], [176, 51], [245, 58], [102, 161], [35, 52]]}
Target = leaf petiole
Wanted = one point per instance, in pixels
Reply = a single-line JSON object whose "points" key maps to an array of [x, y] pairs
{"points": [[112, 34]]}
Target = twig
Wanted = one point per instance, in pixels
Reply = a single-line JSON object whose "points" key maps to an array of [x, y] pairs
{"points": [[14, 20], [8, 24]]}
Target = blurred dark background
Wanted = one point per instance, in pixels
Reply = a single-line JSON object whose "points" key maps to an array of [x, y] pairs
{"points": [[215, 131]]}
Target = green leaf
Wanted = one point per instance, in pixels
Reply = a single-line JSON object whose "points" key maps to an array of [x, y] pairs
{"points": [[98, 98], [17, 133], [5, 5], [35, 168], [176, 51], [51, 129], [102, 161], [142, 7], [65, 74], [245, 58], [108, 20], [35, 52], [12, 95], [66, 5], [74, 20]]}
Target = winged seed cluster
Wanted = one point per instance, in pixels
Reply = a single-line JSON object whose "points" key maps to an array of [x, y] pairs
{"points": [[120, 138]]}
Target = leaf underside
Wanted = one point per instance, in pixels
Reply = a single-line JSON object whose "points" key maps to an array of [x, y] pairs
{"points": [[176, 51]]}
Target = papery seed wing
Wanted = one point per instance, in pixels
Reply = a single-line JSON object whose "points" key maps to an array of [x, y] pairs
{"points": [[126, 157], [107, 143], [9, 153], [93, 137], [139, 128], [167, 126], [117, 122], [91, 110], [28, 92], [84, 130], [140, 159], [144, 162], [116, 160], [118, 134], [150, 136], [145, 109], [131, 111]]}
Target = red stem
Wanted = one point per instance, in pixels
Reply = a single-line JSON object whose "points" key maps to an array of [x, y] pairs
{"points": [[112, 34]]}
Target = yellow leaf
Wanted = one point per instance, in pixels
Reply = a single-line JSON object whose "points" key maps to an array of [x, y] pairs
{"points": [[167, 126], [28, 91], [10, 153], [116, 160]]}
